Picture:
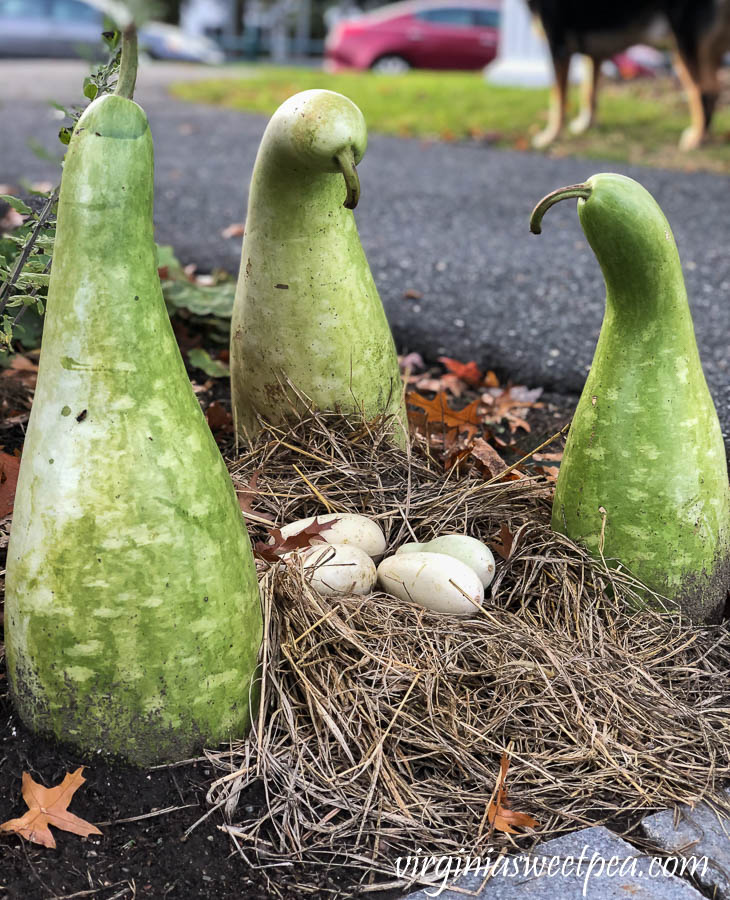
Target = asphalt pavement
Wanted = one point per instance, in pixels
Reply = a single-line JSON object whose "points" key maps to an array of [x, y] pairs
{"points": [[446, 220]]}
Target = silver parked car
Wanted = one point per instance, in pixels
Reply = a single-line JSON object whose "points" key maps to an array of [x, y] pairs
{"points": [[63, 28]]}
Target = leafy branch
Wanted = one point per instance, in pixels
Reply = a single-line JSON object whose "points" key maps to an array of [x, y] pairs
{"points": [[26, 253]]}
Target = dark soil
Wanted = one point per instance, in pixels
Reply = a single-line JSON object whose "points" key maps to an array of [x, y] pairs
{"points": [[145, 858], [148, 857]]}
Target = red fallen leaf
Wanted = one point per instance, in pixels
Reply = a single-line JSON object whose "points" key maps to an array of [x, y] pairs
{"points": [[491, 380], [49, 806], [468, 372], [219, 419], [299, 541], [246, 496], [499, 815], [235, 229], [9, 468], [507, 540]]}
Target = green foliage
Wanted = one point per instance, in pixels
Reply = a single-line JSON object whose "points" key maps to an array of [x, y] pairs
{"points": [[183, 293], [25, 261], [639, 121], [201, 359], [26, 252]]}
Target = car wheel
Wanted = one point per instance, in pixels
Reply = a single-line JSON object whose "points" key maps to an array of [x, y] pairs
{"points": [[390, 65]]}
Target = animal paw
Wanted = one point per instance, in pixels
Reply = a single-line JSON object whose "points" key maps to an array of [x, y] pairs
{"points": [[691, 139], [581, 123], [544, 138]]}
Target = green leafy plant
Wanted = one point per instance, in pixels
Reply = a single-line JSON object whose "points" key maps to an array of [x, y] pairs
{"points": [[26, 252]]}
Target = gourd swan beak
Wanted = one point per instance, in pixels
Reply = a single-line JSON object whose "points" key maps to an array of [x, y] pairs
{"points": [[346, 161], [564, 193]]}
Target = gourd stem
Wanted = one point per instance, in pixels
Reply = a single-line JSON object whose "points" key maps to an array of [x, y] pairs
{"points": [[564, 193], [128, 64], [346, 161]]}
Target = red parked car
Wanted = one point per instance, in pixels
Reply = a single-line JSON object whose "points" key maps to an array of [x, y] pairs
{"points": [[423, 34]]}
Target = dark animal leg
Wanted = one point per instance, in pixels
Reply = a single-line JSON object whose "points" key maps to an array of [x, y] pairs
{"points": [[558, 103]]}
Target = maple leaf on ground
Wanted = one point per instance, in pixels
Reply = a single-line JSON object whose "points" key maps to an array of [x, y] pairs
{"points": [[299, 541], [438, 411], [507, 539], [49, 806], [468, 372], [499, 815], [9, 468], [511, 403]]}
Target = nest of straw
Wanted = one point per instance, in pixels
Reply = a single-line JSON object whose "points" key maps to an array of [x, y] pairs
{"points": [[382, 724]]}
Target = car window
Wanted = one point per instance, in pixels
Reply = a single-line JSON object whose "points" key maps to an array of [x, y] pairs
{"points": [[448, 16], [488, 18], [74, 11], [23, 9]]}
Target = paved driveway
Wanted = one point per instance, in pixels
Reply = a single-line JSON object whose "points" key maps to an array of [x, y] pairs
{"points": [[449, 221]]}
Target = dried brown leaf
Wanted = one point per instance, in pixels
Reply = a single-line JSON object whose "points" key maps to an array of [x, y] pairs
{"points": [[499, 815], [504, 545], [248, 494], [280, 545], [9, 468], [49, 806]]}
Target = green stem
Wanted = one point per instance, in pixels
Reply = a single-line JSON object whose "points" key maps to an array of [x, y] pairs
{"points": [[346, 161], [128, 65], [564, 193]]}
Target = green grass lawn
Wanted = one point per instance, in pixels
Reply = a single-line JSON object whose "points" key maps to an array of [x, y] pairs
{"points": [[639, 122]]}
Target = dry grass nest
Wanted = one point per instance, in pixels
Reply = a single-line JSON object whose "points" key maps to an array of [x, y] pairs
{"points": [[382, 724]]}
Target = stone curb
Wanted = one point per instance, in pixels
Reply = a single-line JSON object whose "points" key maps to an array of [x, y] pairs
{"points": [[610, 869]]}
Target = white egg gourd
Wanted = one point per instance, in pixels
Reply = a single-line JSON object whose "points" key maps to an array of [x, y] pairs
{"points": [[436, 581], [349, 529], [338, 570], [469, 550]]}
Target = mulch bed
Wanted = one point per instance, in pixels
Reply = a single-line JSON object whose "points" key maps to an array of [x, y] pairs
{"points": [[211, 816]]}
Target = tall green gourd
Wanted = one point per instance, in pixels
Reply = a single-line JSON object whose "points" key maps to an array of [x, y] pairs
{"points": [[307, 309], [644, 476], [132, 612]]}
